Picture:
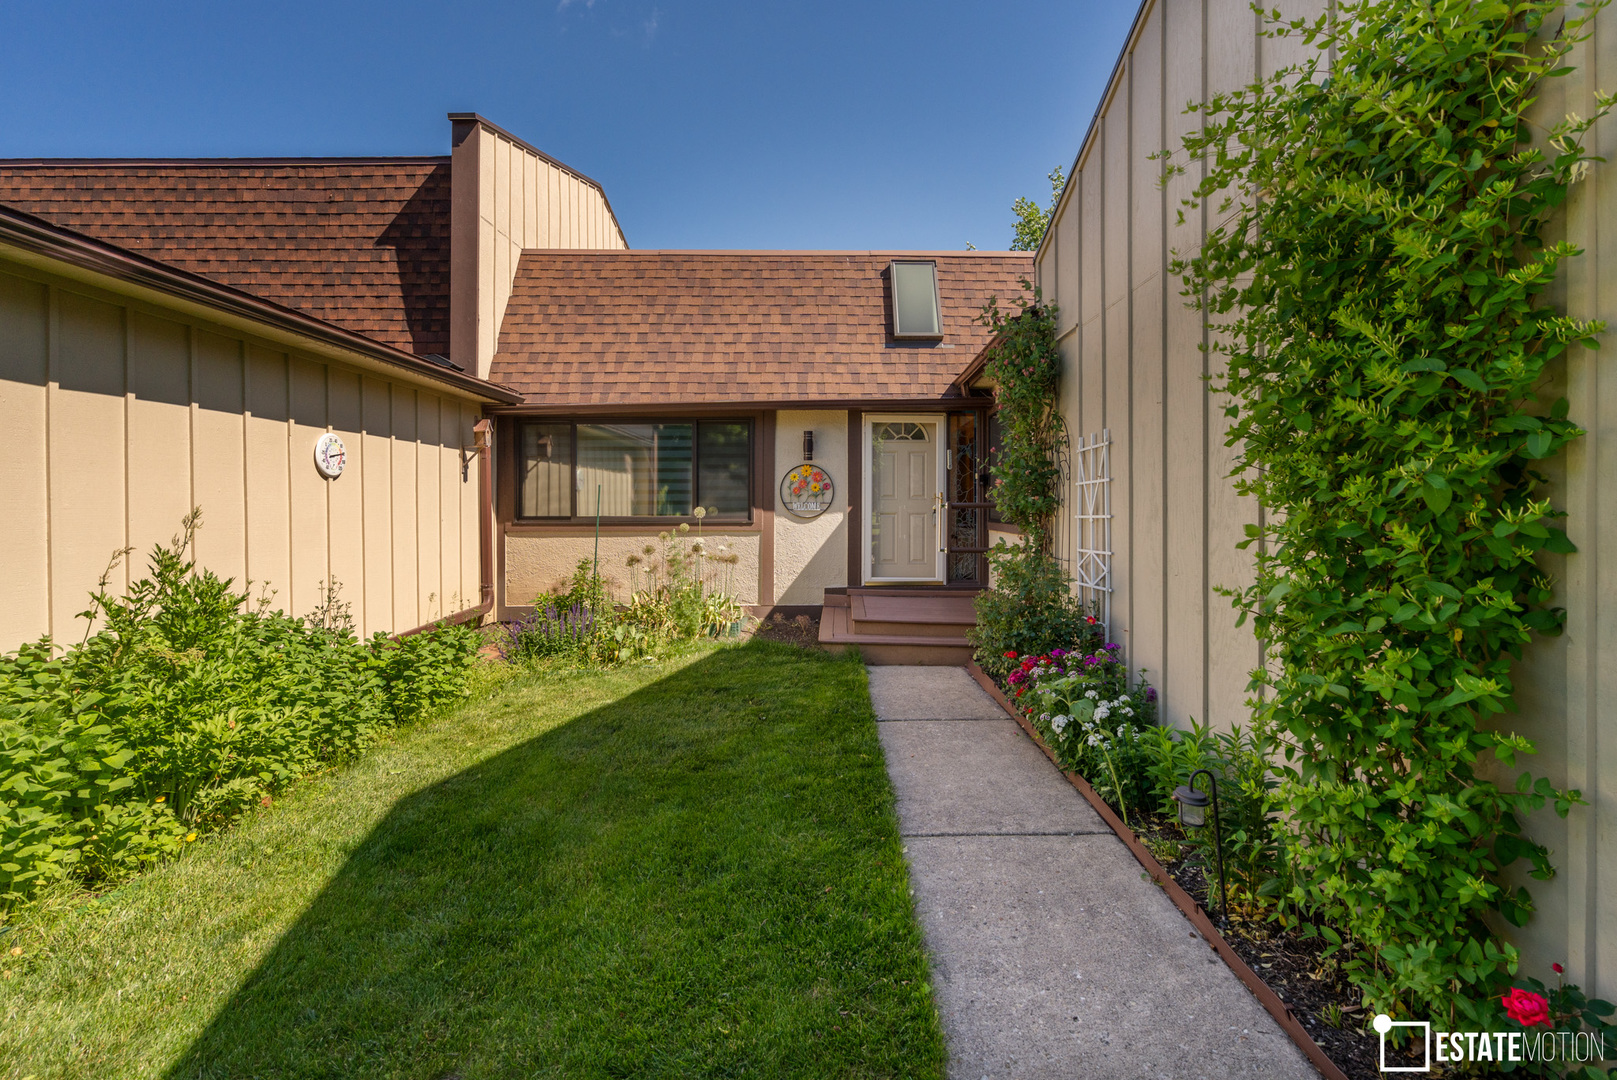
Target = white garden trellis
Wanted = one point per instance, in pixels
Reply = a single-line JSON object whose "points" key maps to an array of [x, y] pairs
{"points": [[1092, 566]]}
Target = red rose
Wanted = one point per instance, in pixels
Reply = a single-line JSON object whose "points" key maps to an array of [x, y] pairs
{"points": [[1527, 1008], [1558, 969]]}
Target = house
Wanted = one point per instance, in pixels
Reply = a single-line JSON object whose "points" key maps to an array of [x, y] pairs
{"points": [[430, 381], [1134, 387], [655, 382]]}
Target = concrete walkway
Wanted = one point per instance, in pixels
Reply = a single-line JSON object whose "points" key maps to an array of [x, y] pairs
{"points": [[1052, 954]]}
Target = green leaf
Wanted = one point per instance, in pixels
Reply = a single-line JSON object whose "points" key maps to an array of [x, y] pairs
{"points": [[1538, 443], [1436, 492], [1559, 543], [1469, 379]]}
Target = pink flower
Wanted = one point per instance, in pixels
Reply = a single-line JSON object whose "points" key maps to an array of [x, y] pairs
{"points": [[1558, 969], [1527, 1008]]}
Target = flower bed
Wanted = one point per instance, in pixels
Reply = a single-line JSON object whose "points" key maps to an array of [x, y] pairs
{"points": [[680, 593], [1095, 724]]}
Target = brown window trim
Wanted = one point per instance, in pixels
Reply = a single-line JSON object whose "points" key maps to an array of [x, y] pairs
{"points": [[517, 525]]}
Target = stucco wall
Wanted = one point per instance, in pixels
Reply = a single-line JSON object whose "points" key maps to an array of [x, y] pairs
{"points": [[1133, 366], [811, 555], [538, 564], [119, 416]]}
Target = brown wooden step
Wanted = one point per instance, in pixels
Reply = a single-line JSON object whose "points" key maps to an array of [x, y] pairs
{"points": [[909, 608], [838, 632]]}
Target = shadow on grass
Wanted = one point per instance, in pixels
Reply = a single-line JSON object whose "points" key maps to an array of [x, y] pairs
{"points": [[703, 878]]}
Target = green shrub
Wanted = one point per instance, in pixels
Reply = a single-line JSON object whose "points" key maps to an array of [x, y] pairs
{"points": [[1024, 363], [1376, 285], [1096, 723], [574, 623], [1029, 611], [679, 591], [187, 706]]}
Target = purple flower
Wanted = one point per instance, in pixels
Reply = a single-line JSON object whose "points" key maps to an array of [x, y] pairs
{"points": [[1150, 693], [1058, 653], [1109, 645]]}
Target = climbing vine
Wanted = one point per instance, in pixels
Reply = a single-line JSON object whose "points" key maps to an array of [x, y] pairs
{"points": [[1025, 365], [1376, 287], [1030, 609]]}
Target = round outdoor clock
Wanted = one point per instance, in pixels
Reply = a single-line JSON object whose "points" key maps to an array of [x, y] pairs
{"points": [[329, 456], [806, 491]]}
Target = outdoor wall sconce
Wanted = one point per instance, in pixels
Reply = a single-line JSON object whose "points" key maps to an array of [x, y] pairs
{"points": [[480, 443], [808, 446], [1193, 803]]}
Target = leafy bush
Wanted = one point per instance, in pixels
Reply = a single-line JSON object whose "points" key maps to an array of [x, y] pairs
{"points": [[1024, 363], [1082, 703], [1104, 729], [185, 708], [1030, 611], [678, 601], [571, 623], [1379, 267], [675, 596]]}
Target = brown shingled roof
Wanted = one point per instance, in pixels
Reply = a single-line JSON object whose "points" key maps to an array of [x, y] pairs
{"points": [[626, 327], [361, 243]]}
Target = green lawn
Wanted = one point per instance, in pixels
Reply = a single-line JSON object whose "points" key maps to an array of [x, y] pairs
{"points": [[684, 869]]}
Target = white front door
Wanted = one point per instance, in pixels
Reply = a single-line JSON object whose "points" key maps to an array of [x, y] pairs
{"points": [[904, 500]]}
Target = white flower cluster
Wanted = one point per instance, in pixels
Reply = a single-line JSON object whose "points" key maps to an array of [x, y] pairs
{"points": [[1089, 728], [1104, 709]]}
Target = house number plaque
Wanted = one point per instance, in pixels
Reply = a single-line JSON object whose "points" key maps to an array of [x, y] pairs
{"points": [[806, 491]]}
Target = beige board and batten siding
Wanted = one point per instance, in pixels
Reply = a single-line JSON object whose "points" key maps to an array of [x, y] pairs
{"points": [[508, 197], [811, 554], [120, 415], [1133, 366]]}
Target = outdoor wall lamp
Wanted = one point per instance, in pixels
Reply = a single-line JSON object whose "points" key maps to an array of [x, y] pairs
{"points": [[808, 446], [480, 442], [1193, 803]]}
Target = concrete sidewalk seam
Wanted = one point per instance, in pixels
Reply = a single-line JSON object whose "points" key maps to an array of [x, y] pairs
{"points": [[947, 835], [943, 720]]}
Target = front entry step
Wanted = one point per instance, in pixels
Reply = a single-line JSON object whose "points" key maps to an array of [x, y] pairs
{"points": [[900, 626]]}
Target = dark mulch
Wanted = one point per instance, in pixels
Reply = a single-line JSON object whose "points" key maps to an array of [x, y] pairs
{"points": [[1327, 1004], [801, 630]]}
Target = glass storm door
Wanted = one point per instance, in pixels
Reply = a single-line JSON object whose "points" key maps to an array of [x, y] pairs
{"points": [[904, 502]]}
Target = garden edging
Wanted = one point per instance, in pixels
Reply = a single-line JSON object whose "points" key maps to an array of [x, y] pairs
{"points": [[1198, 918]]}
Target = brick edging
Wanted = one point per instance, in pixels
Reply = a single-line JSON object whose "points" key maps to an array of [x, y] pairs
{"points": [[1182, 900]]}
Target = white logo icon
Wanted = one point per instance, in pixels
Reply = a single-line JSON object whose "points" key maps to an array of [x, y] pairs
{"points": [[1384, 1023]]}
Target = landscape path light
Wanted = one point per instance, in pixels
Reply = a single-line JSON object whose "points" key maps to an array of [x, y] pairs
{"points": [[1193, 803]]}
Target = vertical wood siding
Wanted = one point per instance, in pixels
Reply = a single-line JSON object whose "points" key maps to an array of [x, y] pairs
{"points": [[120, 417], [1134, 364], [524, 202]]}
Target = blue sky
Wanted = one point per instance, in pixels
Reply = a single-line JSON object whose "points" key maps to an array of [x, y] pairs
{"points": [[711, 125]]}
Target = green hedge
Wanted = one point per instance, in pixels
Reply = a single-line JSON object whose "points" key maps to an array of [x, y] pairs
{"points": [[1377, 287], [186, 707]]}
